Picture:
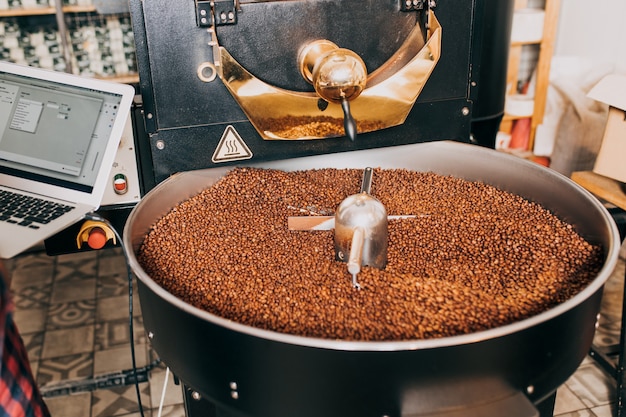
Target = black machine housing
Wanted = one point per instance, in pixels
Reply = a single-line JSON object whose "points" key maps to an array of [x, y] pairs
{"points": [[185, 117]]}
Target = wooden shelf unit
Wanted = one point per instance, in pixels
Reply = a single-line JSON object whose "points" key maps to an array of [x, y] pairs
{"points": [[542, 69], [131, 78]]}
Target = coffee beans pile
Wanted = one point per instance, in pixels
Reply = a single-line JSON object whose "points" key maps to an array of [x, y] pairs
{"points": [[475, 259], [297, 127]]}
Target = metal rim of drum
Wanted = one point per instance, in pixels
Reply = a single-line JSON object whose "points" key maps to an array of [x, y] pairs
{"points": [[463, 152]]}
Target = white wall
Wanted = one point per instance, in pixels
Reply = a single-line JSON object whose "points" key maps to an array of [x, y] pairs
{"points": [[593, 29]]}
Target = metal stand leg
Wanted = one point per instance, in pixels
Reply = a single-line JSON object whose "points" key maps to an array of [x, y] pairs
{"points": [[546, 407], [621, 361], [602, 356]]}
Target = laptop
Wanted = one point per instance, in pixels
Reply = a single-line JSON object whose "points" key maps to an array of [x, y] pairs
{"points": [[59, 134]]}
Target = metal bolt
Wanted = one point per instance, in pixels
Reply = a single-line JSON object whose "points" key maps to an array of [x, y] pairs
{"points": [[160, 144], [530, 389], [465, 111], [196, 395], [233, 393], [150, 335], [149, 116]]}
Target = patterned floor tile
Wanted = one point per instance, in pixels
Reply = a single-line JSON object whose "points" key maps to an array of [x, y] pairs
{"points": [[33, 343], [112, 265], [31, 320], [119, 358], [113, 285], [581, 413], [67, 291], [36, 275], [146, 413], [74, 405], [73, 314], [34, 366], [592, 386], [177, 410], [567, 401], [65, 342], [115, 308], [65, 368], [163, 389], [30, 260], [76, 267], [603, 411], [118, 401], [115, 333], [32, 297]]}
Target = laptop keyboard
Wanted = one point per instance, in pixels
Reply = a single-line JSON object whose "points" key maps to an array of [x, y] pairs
{"points": [[28, 211]]}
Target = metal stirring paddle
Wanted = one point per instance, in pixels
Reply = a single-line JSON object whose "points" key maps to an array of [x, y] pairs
{"points": [[361, 230]]}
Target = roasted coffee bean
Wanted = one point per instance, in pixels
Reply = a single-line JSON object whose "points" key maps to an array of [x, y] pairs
{"points": [[474, 258]]}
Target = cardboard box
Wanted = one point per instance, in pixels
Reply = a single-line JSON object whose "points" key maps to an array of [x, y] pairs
{"points": [[611, 160]]}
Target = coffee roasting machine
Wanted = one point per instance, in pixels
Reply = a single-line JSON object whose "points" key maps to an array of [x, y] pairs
{"points": [[318, 83]]}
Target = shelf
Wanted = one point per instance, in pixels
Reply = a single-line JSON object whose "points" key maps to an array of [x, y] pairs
{"points": [[520, 43], [79, 9], [122, 79], [603, 187], [510, 118], [31, 11], [40, 11]]}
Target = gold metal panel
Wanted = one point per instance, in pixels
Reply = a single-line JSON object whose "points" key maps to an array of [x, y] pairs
{"points": [[280, 114]]}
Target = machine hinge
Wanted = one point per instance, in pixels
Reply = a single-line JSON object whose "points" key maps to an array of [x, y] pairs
{"points": [[414, 5], [216, 12]]}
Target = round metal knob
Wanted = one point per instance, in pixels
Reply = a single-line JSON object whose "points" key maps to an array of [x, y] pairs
{"points": [[338, 75], [310, 54]]}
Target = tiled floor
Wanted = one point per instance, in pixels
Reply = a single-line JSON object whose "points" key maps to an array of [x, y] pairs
{"points": [[72, 311]]}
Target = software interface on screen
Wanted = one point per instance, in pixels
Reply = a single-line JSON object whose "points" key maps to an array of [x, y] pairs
{"points": [[51, 131]]}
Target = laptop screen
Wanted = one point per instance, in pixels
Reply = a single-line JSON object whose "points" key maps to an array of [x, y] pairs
{"points": [[54, 133]]}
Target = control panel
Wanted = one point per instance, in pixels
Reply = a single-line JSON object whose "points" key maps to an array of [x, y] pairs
{"points": [[124, 178], [120, 196]]}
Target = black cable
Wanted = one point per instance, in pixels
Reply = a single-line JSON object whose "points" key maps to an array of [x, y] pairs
{"points": [[96, 217]]}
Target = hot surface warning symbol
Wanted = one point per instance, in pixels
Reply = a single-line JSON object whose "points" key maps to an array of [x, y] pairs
{"points": [[231, 147]]}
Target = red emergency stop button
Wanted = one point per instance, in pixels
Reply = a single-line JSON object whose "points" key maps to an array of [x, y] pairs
{"points": [[120, 184], [97, 238], [95, 234]]}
